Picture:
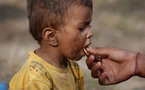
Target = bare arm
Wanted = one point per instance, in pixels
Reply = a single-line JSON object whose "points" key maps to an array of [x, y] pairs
{"points": [[141, 66]]}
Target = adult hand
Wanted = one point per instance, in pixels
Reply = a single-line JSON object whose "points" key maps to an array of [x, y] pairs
{"points": [[118, 66]]}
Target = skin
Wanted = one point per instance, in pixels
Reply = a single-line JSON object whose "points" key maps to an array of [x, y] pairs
{"points": [[68, 42], [118, 66], [77, 31]]}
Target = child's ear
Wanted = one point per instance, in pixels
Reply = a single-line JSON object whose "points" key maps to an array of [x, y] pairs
{"points": [[49, 36]]}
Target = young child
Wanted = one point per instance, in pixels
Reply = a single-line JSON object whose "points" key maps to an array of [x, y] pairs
{"points": [[62, 28]]}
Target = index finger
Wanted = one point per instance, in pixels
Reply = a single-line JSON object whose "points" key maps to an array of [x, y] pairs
{"points": [[89, 61], [104, 52]]}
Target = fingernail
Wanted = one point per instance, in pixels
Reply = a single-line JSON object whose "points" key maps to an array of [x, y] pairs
{"points": [[92, 56], [99, 63], [89, 48]]}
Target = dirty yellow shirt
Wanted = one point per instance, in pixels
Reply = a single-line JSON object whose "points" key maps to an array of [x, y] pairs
{"points": [[37, 74]]}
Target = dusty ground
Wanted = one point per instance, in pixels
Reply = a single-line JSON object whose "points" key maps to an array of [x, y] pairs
{"points": [[115, 23]]}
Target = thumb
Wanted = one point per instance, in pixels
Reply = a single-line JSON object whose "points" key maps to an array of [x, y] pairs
{"points": [[103, 79]]}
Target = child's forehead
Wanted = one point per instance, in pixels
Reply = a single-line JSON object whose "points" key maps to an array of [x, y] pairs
{"points": [[76, 8], [79, 11], [78, 15], [75, 5]]}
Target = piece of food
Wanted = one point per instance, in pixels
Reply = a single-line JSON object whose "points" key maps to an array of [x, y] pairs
{"points": [[86, 52]]}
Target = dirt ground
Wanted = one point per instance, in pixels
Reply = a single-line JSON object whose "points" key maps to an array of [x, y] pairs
{"points": [[119, 24]]}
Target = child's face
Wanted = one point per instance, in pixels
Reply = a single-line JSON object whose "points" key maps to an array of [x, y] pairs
{"points": [[75, 34]]}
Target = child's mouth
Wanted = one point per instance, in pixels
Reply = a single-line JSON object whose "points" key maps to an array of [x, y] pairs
{"points": [[86, 46], [83, 53]]}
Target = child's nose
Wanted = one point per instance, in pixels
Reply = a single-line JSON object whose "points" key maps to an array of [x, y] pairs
{"points": [[89, 34]]}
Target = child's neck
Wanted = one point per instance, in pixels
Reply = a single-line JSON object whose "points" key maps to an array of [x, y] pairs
{"points": [[53, 57]]}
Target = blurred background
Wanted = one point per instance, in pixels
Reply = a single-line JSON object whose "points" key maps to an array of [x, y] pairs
{"points": [[116, 23]]}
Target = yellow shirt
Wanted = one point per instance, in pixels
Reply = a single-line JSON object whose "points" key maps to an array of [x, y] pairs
{"points": [[37, 74]]}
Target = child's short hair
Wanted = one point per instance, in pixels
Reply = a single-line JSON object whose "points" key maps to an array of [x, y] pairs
{"points": [[49, 13]]}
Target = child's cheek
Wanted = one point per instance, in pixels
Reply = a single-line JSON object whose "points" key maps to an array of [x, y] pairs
{"points": [[79, 41]]}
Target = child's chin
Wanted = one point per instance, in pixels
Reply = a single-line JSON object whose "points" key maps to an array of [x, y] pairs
{"points": [[78, 58]]}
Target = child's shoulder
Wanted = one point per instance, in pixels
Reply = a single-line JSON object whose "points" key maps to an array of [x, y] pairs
{"points": [[32, 71], [37, 69], [33, 67], [37, 66]]}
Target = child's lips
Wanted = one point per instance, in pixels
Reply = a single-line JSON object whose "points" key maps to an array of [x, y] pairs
{"points": [[84, 49], [84, 52]]}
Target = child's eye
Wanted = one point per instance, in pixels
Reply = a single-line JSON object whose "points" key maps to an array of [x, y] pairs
{"points": [[82, 29]]}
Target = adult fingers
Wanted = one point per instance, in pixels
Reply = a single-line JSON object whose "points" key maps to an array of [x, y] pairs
{"points": [[96, 69], [89, 61], [100, 51], [103, 79]]}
